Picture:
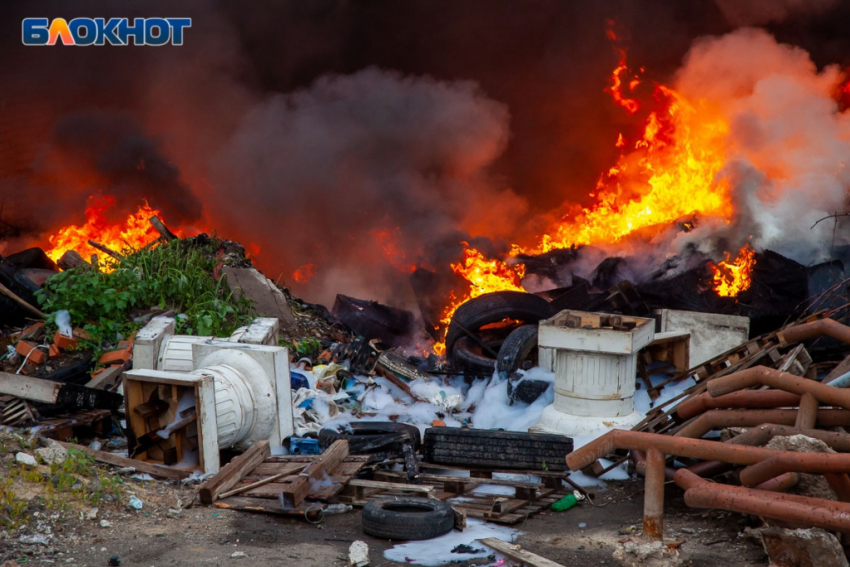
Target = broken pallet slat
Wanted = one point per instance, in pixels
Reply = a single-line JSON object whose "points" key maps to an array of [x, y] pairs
{"points": [[292, 470], [124, 462], [325, 464], [517, 554], [233, 472]]}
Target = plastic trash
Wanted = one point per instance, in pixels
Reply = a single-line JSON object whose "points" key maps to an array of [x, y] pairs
{"points": [[63, 321], [135, 503], [298, 381], [96, 445], [338, 509], [564, 503], [304, 446]]}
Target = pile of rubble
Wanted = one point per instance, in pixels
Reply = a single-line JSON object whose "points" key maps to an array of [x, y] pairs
{"points": [[303, 412]]}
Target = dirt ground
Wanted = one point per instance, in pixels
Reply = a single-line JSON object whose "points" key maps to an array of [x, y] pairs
{"points": [[198, 535]]}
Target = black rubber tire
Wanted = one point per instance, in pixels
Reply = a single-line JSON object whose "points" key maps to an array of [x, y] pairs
{"points": [[494, 307], [496, 449], [467, 356], [526, 391], [519, 345], [407, 518], [360, 434]]}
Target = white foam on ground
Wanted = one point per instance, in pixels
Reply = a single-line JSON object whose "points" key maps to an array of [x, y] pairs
{"points": [[494, 489], [494, 411], [438, 551]]}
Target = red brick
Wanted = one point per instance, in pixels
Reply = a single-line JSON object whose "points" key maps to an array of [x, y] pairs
{"points": [[116, 356], [24, 348], [53, 351], [33, 332], [82, 334], [64, 342], [438, 423]]}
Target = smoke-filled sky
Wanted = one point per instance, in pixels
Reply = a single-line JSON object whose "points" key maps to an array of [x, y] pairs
{"points": [[362, 137]]}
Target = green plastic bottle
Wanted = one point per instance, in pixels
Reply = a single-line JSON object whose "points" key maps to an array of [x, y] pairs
{"points": [[564, 503]]}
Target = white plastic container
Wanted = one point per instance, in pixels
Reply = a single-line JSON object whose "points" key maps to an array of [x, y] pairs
{"points": [[594, 356]]}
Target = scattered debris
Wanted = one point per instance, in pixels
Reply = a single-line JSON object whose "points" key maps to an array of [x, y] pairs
{"points": [[358, 554]]}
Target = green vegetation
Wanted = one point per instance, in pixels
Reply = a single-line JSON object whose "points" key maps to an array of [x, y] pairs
{"points": [[308, 347], [174, 276]]}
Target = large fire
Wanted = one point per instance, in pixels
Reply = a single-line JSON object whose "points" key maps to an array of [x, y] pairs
{"points": [[134, 233], [670, 172]]}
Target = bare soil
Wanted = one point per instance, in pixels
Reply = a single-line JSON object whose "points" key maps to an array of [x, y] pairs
{"points": [[198, 535]]}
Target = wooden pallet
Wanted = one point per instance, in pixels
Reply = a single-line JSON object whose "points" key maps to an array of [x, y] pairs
{"points": [[265, 498], [528, 497]]}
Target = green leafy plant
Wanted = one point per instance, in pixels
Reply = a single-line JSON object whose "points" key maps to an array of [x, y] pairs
{"points": [[175, 276]]}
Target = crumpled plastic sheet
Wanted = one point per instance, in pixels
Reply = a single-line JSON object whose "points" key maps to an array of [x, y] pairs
{"points": [[311, 409]]}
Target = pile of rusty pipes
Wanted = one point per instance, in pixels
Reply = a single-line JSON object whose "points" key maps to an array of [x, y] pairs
{"points": [[730, 401]]}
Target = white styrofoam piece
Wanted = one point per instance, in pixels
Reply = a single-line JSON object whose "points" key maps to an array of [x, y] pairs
{"points": [[712, 334]]}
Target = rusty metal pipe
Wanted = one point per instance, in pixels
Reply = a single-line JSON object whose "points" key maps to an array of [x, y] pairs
{"points": [[752, 399], [840, 485], [700, 493], [781, 483], [653, 495], [719, 419], [670, 445], [638, 458], [807, 413], [787, 461], [763, 376], [762, 434], [819, 328]]}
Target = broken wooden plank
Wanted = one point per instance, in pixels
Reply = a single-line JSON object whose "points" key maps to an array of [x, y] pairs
{"points": [[840, 370], [160, 227], [270, 507], [359, 482], [233, 472], [292, 470], [17, 299], [513, 551], [124, 462], [325, 464], [59, 393]]}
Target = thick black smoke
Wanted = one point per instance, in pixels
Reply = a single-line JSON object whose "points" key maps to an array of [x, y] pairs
{"points": [[312, 128]]}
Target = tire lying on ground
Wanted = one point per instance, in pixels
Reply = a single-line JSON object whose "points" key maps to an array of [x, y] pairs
{"points": [[495, 307], [368, 437], [407, 518], [496, 449], [519, 347]]}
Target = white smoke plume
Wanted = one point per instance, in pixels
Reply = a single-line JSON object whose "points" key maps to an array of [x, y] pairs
{"points": [[789, 146]]}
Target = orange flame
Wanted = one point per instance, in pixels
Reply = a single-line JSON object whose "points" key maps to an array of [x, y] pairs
{"points": [[484, 276], [670, 172], [731, 278], [134, 233]]}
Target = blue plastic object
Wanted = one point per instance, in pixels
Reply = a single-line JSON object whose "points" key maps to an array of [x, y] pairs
{"points": [[298, 381], [304, 446]]}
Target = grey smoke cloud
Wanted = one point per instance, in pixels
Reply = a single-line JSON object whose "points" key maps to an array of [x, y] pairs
{"points": [[318, 173]]}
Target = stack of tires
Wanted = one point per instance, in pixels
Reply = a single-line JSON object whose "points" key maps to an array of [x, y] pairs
{"points": [[503, 326]]}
